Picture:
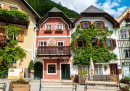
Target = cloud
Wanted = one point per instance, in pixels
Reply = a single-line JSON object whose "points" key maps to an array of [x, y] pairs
{"points": [[109, 6]]}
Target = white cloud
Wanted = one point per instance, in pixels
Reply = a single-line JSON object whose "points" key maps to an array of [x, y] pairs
{"points": [[80, 5]]}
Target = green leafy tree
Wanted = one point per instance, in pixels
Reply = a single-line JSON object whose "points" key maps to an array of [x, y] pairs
{"points": [[12, 51], [82, 55]]}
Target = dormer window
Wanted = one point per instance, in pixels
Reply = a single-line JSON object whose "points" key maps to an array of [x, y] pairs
{"points": [[85, 24], [48, 26], [59, 26]]}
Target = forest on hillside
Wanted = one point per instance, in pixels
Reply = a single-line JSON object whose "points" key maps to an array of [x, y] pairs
{"points": [[43, 6]]}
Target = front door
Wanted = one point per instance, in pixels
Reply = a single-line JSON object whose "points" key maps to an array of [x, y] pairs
{"points": [[65, 71], [113, 72], [38, 70]]}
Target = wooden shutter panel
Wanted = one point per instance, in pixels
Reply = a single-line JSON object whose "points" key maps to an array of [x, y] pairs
{"points": [[99, 43], [2, 31], [76, 43], [21, 36], [89, 24], [114, 43], [95, 24], [103, 25], [81, 24]]}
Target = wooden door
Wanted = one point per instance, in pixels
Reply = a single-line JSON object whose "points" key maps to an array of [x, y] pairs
{"points": [[2, 31], [113, 72]]}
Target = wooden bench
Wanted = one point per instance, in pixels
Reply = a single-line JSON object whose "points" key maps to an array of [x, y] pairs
{"points": [[101, 83], [74, 86], [4, 86]]}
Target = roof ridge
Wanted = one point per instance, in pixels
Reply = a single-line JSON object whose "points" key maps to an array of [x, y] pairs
{"points": [[54, 9]]}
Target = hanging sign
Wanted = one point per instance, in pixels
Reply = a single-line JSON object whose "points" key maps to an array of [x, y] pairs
{"points": [[52, 41]]}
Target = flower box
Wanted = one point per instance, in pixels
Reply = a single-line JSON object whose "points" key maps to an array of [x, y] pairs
{"points": [[19, 87], [73, 79], [125, 89]]}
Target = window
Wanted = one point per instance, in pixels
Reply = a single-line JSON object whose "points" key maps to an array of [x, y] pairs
{"points": [[59, 26], [51, 68], [99, 24], [82, 67], [1, 0], [127, 53], [13, 8], [13, 61], [94, 42], [124, 34], [80, 43], [85, 24], [43, 43], [60, 43], [98, 69], [48, 27], [109, 43]]}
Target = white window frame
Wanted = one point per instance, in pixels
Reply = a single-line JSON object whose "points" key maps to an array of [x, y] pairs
{"points": [[125, 53], [98, 70], [48, 24], [55, 68], [60, 41], [127, 34], [43, 41], [61, 26]]}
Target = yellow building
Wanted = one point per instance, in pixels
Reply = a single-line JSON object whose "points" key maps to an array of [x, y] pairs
{"points": [[27, 27]]}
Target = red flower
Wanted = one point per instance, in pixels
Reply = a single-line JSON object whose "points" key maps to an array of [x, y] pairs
{"points": [[21, 82], [14, 82]]}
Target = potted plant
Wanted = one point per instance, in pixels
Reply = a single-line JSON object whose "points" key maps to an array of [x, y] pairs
{"points": [[105, 67], [19, 85], [72, 78], [31, 66], [126, 88], [126, 80], [82, 76]]}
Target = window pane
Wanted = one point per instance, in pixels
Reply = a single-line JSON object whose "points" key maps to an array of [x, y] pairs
{"points": [[94, 42], [80, 43], [124, 34], [51, 69], [85, 24], [108, 43], [44, 43], [41, 43], [99, 24], [48, 26]]}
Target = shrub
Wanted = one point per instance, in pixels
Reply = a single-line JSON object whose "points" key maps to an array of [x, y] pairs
{"points": [[126, 78], [82, 72], [31, 65]]}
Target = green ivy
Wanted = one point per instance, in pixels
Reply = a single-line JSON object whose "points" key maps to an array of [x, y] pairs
{"points": [[99, 54], [13, 14], [12, 51]]}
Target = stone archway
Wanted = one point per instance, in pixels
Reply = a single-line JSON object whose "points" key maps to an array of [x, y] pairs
{"points": [[38, 70]]}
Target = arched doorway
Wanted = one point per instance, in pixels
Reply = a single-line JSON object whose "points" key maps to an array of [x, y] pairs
{"points": [[38, 70]]}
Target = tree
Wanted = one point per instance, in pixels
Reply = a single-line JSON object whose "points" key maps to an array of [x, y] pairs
{"points": [[82, 54]]}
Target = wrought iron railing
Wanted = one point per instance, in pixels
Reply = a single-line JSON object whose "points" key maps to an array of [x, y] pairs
{"points": [[3, 39], [54, 50]]}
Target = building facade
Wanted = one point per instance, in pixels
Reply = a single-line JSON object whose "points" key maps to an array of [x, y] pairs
{"points": [[26, 32], [123, 39], [52, 47]]}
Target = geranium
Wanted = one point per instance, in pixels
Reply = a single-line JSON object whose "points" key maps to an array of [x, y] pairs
{"points": [[72, 75], [20, 81]]}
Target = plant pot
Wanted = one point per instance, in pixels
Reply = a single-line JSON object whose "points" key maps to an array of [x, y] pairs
{"points": [[125, 89], [31, 71], [73, 79], [19, 87]]}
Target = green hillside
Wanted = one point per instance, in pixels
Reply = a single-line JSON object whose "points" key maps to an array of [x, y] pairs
{"points": [[43, 6]]}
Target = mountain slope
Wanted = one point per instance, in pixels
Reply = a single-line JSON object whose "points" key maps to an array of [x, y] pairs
{"points": [[43, 6]]}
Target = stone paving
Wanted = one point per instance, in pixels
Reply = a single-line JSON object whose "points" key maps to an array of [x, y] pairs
{"points": [[35, 86]]}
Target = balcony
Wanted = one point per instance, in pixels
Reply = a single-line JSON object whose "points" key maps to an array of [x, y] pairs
{"points": [[3, 40], [54, 51]]}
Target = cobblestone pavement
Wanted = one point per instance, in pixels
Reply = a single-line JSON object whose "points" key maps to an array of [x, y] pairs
{"points": [[35, 86]]}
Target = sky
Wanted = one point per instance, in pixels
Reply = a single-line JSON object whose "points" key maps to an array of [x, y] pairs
{"points": [[113, 7]]}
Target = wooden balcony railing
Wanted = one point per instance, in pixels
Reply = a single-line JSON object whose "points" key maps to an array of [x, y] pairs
{"points": [[3, 40], [53, 51]]}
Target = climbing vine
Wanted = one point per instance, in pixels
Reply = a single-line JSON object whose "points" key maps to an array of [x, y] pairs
{"points": [[12, 51], [99, 54]]}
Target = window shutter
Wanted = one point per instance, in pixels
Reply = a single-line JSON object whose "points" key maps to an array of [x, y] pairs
{"points": [[99, 43], [114, 43], [81, 24], [103, 25], [95, 24], [89, 24], [76, 43], [2, 31], [21, 36]]}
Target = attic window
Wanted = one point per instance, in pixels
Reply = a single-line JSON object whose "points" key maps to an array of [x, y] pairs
{"points": [[13, 8]]}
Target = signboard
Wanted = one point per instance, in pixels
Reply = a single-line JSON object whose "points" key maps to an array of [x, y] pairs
{"points": [[15, 73], [52, 41]]}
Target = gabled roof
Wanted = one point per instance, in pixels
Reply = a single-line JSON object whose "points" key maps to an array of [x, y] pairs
{"points": [[93, 9], [123, 15], [54, 12], [31, 9]]}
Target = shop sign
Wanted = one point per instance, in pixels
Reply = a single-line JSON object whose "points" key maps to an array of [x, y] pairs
{"points": [[15, 73], [52, 41], [126, 64]]}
